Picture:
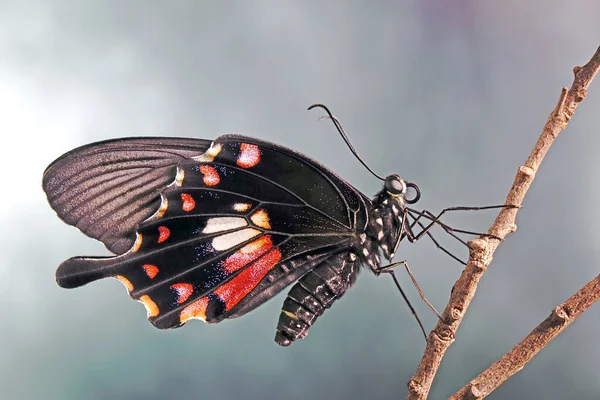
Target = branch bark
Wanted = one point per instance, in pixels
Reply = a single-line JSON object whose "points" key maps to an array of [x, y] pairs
{"points": [[512, 362], [482, 249]]}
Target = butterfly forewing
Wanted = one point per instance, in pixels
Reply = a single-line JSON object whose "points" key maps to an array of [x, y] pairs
{"points": [[310, 181]]}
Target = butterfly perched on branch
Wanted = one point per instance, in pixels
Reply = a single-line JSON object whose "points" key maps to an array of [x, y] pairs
{"points": [[210, 230]]}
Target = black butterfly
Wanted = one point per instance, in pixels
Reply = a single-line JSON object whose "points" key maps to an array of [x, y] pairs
{"points": [[211, 230]]}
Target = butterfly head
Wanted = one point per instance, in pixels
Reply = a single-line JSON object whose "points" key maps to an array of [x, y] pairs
{"points": [[398, 189]]}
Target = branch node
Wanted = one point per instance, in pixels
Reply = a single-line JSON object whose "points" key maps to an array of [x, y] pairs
{"points": [[444, 334], [560, 315], [527, 171], [478, 249], [473, 392], [416, 389], [580, 95], [479, 266], [455, 314]]}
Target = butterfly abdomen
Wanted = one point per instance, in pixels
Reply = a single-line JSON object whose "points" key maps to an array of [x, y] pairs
{"points": [[312, 294]]}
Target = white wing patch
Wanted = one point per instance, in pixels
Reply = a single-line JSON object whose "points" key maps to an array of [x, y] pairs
{"points": [[229, 240], [220, 224]]}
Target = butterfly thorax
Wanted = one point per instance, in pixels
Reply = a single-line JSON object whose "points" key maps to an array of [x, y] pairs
{"points": [[382, 229]]}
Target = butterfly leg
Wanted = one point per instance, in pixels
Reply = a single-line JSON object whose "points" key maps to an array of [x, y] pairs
{"points": [[388, 269], [312, 294], [437, 244], [425, 230], [436, 220]]}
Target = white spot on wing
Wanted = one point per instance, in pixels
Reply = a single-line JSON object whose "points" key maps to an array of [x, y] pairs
{"points": [[241, 207], [379, 221], [229, 240], [220, 224]]}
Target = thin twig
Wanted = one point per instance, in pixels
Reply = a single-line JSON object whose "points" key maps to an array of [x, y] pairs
{"points": [[512, 362], [482, 249]]}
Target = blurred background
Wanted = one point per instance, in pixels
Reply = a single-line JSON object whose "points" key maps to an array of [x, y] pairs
{"points": [[451, 95]]}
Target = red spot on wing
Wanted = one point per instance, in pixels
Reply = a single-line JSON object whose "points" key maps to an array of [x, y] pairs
{"points": [[249, 155], [211, 177], [247, 254], [151, 270], [197, 309], [163, 233], [237, 288], [188, 202], [183, 290]]}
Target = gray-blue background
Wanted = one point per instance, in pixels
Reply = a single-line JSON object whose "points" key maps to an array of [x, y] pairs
{"points": [[451, 95]]}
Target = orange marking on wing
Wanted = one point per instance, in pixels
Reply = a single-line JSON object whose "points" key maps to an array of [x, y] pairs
{"points": [[211, 176], [179, 177], [188, 202], [163, 208], [261, 219], [211, 153], [195, 310], [237, 288], [151, 270], [125, 282], [249, 155], [247, 254], [241, 207], [151, 307], [184, 291], [138, 243], [163, 233]]}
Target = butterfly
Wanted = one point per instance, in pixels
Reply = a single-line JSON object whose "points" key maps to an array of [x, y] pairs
{"points": [[212, 229]]}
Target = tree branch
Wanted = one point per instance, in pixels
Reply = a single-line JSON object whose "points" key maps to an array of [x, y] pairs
{"points": [[482, 249], [512, 362]]}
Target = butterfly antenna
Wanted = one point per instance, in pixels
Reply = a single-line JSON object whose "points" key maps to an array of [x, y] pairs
{"points": [[340, 129]]}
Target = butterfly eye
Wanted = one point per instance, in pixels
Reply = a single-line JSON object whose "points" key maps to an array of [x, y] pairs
{"points": [[395, 185]]}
